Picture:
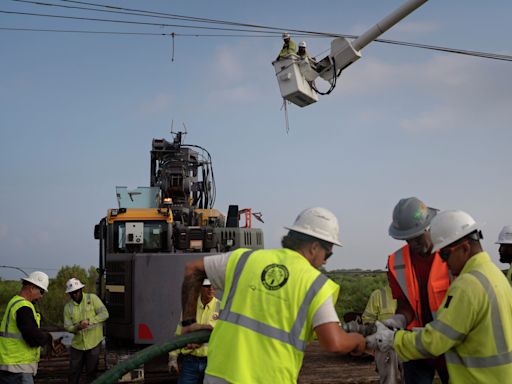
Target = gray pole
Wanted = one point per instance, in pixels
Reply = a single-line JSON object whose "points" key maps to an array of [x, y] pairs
{"points": [[386, 23]]}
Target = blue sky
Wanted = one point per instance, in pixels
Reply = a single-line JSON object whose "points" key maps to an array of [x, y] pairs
{"points": [[78, 113]]}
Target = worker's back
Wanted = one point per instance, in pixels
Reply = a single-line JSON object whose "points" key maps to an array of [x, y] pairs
{"points": [[381, 305], [269, 301]]}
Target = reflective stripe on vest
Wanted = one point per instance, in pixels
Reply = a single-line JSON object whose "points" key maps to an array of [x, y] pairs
{"points": [[400, 265], [6, 333], [503, 356], [292, 337], [384, 298], [420, 347], [400, 272]]}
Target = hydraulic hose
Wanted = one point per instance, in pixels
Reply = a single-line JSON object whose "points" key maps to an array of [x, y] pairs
{"points": [[150, 353]]}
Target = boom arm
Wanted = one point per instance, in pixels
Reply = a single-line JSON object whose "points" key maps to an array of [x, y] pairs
{"points": [[296, 77]]}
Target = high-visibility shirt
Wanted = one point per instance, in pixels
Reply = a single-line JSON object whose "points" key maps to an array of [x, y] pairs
{"points": [[288, 49], [14, 350], [381, 305], [509, 275], [401, 267], [267, 310], [473, 327], [205, 314], [90, 308]]}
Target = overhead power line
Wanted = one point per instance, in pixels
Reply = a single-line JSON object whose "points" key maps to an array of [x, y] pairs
{"points": [[255, 31], [485, 55]]}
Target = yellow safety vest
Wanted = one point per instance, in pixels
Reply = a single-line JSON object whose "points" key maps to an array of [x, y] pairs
{"points": [[381, 305], [14, 350], [90, 308], [270, 297], [288, 49], [205, 314], [509, 275], [473, 327]]}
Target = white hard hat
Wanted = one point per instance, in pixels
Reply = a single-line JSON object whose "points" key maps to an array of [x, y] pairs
{"points": [[505, 236], [302, 44], [286, 35], [39, 279], [206, 282], [449, 226], [319, 223], [73, 284], [411, 217]]}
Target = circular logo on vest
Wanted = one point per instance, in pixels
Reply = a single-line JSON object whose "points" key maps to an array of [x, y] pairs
{"points": [[274, 276]]}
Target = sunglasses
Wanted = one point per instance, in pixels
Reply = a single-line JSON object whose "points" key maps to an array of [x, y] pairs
{"points": [[328, 251], [446, 252]]}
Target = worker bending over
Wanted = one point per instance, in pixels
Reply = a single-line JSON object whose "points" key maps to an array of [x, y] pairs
{"points": [[382, 306], [419, 281], [505, 250], [21, 338], [274, 302], [473, 326]]}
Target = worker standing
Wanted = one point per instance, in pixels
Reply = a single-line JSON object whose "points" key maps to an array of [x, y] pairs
{"points": [[274, 302], [190, 362], [302, 51], [289, 47], [473, 327], [382, 306], [419, 281], [20, 335], [84, 316], [505, 250]]}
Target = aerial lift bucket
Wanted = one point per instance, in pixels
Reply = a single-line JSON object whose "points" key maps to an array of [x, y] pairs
{"points": [[292, 83]]}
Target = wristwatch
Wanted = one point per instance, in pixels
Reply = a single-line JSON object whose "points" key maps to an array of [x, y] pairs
{"points": [[188, 322]]}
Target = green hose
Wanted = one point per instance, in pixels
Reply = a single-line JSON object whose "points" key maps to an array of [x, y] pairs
{"points": [[150, 353]]}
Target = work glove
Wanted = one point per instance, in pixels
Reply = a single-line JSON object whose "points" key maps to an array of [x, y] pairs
{"points": [[371, 342], [58, 348], [397, 321], [172, 364], [384, 337]]}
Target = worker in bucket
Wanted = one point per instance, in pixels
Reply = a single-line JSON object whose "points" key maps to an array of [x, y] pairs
{"points": [[419, 280], [20, 335], [289, 47], [473, 327], [190, 362], [84, 316], [382, 306], [274, 303], [505, 250]]}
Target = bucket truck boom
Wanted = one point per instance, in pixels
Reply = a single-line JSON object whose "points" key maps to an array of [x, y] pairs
{"points": [[295, 75]]}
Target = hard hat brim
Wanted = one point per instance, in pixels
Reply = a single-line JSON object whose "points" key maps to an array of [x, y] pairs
{"points": [[414, 232], [69, 290], [313, 234], [451, 240], [33, 282]]}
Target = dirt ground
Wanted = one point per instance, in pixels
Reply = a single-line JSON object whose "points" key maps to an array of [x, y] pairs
{"points": [[318, 367], [330, 368]]}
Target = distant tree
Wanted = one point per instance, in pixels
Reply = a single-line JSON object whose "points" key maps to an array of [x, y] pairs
{"points": [[355, 289], [8, 288]]}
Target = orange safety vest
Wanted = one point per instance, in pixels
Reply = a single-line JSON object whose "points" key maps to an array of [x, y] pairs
{"points": [[399, 264]]}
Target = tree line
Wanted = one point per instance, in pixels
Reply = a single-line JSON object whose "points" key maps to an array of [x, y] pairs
{"points": [[356, 287]]}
